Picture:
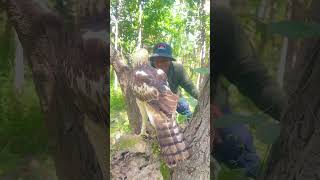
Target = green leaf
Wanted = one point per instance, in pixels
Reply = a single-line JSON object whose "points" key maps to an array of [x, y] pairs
{"points": [[181, 119], [192, 102], [294, 29], [165, 171], [201, 70], [228, 174], [268, 132], [229, 120]]}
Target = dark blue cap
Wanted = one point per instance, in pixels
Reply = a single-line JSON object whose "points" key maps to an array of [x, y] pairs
{"points": [[162, 50]]}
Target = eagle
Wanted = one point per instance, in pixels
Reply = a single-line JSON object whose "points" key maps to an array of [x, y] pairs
{"points": [[157, 103]]}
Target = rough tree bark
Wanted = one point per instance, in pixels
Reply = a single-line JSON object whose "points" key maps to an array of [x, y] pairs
{"points": [[293, 62], [202, 42], [197, 133], [18, 66], [123, 72], [297, 155], [71, 80]]}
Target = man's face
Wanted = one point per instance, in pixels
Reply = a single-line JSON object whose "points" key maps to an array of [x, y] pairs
{"points": [[162, 63]]}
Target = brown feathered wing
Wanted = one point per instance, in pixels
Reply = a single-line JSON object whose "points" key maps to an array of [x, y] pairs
{"points": [[151, 89]]}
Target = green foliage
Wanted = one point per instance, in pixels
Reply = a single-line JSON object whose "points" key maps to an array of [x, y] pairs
{"points": [[22, 130], [268, 132], [8, 160], [229, 120], [119, 123], [165, 170], [294, 29], [288, 28], [6, 47], [117, 100], [181, 119], [202, 70], [182, 24], [155, 148], [227, 174]]}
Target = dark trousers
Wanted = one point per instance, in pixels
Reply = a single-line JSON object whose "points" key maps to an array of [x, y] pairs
{"points": [[183, 108], [236, 149]]}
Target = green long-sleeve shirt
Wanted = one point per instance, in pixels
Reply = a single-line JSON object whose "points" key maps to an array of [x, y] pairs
{"points": [[177, 76], [235, 59]]}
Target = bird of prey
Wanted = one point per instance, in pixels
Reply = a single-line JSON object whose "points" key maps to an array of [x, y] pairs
{"points": [[157, 103]]}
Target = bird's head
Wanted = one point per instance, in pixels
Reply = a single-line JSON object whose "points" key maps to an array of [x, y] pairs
{"points": [[141, 56]]}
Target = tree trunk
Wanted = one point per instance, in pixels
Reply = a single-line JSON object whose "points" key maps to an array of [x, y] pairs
{"points": [[293, 62], [71, 80], [202, 42], [282, 63], [116, 37], [284, 53], [140, 25], [262, 9], [18, 66], [197, 134], [296, 157], [123, 72]]}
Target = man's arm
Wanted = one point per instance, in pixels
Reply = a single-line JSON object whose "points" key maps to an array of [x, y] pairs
{"points": [[239, 64], [186, 83]]}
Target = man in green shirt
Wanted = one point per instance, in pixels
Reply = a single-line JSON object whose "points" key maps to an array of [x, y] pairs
{"points": [[177, 77]]}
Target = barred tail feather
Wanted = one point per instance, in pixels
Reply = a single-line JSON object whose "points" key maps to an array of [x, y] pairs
{"points": [[173, 146], [172, 143]]}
